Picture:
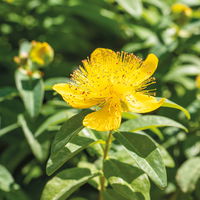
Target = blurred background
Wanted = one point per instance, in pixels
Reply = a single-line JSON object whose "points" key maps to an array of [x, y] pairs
{"points": [[74, 28]]}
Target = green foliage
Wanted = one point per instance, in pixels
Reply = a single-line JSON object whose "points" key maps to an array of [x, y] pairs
{"points": [[40, 133], [145, 152], [187, 178], [32, 92], [65, 183]]}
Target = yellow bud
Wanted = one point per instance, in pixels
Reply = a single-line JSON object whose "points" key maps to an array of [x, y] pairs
{"points": [[41, 53], [198, 81], [180, 8]]}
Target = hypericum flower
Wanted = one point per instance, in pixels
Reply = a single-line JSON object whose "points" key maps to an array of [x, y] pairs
{"points": [[180, 8], [41, 53], [198, 81], [114, 82]]}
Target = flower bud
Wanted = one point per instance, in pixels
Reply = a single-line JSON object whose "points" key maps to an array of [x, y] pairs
{"points": [[181, 13], [41, 53], [198, 81]]}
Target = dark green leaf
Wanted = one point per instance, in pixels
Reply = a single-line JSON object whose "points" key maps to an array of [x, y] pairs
{"points": [[59, 152], [73, 147], [110, 194], [7, 92]]}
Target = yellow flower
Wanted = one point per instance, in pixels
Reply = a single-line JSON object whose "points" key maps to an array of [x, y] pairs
{"points": [[198, 81], [41, 53], [180, 8], [115, 82]]}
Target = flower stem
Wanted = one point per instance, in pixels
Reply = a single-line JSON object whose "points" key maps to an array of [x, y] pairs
{"points": [[105, 155]]}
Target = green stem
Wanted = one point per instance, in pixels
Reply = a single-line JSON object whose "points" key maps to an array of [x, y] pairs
{"points": [[105, 155]]}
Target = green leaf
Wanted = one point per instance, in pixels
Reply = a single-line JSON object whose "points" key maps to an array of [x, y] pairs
{"points": [[110, 194], [6, 179], [52, 81], [191, 146], [31, 91], [134, 8], [129, 181], [73, 147], [95, 148], [145, 152], [95, 182], [25, 47], [167, 159], [9, 128], [7, 92], [33, 143], [59, 152], [188, 174], [7, 184], [171, 104], [57, 118], [65, 183], [147, 122]]}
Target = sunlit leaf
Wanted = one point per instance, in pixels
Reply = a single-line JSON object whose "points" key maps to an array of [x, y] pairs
{"points": [[134, 8], [10, 189], [188, 174], [65, 183], [145, 152], [128, 181], [171, 104], [167, 159], [53, 120], [32, 92], [149, 121], [32, 141]]}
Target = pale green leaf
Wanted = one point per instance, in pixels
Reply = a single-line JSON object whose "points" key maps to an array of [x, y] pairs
{"points": [[31, 91], [188, 174], [33, 143], [9, 128], [65, 183], [167, 159], [128, 181], [134, 8], [49, 83], [57, 118], [147, 122], [171, 104], [145, 152]]}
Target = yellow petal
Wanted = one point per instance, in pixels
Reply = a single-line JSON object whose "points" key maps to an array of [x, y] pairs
{"points": [[104, 58], [106, 119], [147, 68], [75, 96], [141, 103]]}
